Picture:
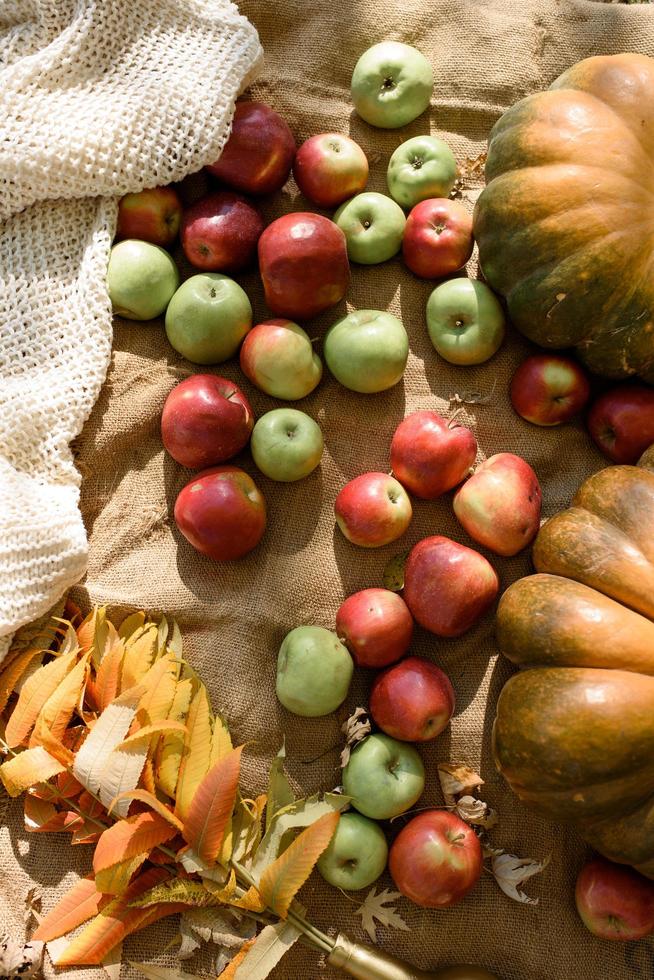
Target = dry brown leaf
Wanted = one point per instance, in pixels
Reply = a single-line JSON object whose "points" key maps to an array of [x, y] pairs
{"points": [[393, 574], [510, 872], [355, 729], [475, 812], [374, 909], [18, 959], [457, 779]]}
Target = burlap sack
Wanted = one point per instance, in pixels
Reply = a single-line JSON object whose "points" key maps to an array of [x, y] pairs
{"points": [[486, 55]]}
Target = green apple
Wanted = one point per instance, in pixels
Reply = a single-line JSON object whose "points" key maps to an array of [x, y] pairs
{"points": [[391, 84], [356, 855], [421, 168], [373, 225], [367, 350], [465, 321], [141, 279], [286, 444], [314, 671], [384, 777], [207, 318]]}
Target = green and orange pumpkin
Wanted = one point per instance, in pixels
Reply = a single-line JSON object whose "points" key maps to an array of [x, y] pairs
{"points": [[565, 226]]}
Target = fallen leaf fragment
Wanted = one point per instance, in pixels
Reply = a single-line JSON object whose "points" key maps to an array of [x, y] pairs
{"points": [[476, 812], [373, 909], [355, 729], [18, 959], [457, 779], [510, 872]]}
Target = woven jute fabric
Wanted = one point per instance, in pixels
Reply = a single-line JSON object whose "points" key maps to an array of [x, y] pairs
{"points": [[486, 55]]}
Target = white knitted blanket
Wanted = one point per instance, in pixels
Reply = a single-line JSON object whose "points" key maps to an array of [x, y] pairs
{"points": [[97, 98]]}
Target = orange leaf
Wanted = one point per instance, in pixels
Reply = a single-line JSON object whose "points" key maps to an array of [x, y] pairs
{"points": [[160, 683], [104, 687], [123, 848], [12, 673], [281, 880], [43, 817], [212, 807], [196, 754], [140, 652], [77, 906], [252, 901], [58, 709], [34, 695], [230, 970], [43, 736], [150, 800], [167, 725], [28, 768], [146, 781]]}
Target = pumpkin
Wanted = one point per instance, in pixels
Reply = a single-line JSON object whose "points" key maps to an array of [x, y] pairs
{"points": [[565, 225], [574, 731]]}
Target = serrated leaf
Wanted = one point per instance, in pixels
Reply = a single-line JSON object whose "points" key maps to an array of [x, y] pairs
{"points": [[302, 813], [280, 882], [174, 642], [104, 686], [374, 909], [146, 781], [160, 683], [280, 791], [78, 905], [183, 891], [247, 828], [162, 634], [215, 925], [475, 812], [52, 745], [58, 709], [393, 574], [267, 950], [229, 973], [510, 872], [169, 752], [123, 848], [196, 753], [34, 695], [143, 796], [122, 772], [212, 807], [457, 779], [140, 652], [157, 728], [12, 672], [42, 817], [28, 768], [135, 621], [108, 732], [221, 740]]}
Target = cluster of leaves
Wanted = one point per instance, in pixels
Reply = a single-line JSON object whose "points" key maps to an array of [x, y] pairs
{"points": [[111, 737]]}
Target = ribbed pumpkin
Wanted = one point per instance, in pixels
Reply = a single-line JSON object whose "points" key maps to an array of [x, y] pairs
{"points": [[565, 226], [574, 733]]}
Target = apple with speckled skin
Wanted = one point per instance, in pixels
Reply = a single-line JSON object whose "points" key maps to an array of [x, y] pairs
{"points": [[391, 84], [413, 700], [356, 855], [141, 279], [152, 215], [465, 321], [221, 513], [206, 420], [372, 510], [329, 168], [286, 444], [314, 671], [373, 225], [499, 506], [430, 455], [621, 422], [376, 627], [420, 168], [548, 389], [384, 777], [437, 238], [258, 155], [614, 902], [220, 232], [278, 357], [367, 350], [208, 317]]}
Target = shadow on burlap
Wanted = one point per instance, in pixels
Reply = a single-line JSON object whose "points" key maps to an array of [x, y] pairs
{"points": [[486, 55]]}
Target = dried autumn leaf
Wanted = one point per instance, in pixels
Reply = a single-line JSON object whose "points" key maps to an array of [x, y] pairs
{"points": [[174, 641], [280, 881], [475, 812], [43, 817], [510, 872], [302, 813], [19, 959], [140, 653], [169, 752], [212, 807], [58, 709], [393, 574], [104, 687], [157, 728], [221, 741], [143, 796], [108, 732], [280, 792], [78, 905], [123, 847], [183, 891], [355, 729], [267, 950], [456, 779], [131, 624], [113, 961], [196, 753], [52, 745], [12, 672], [28, 768], [246, 828], [374, 909], [34, 695], [160, 683], [229, 973], [216, 925]]}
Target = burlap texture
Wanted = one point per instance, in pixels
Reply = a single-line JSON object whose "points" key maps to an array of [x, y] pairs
{"points": [[486, 55]]}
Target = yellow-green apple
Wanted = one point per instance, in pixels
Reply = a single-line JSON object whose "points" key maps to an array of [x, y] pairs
{"points": [[436, 859], [376, 627], [303, 264], [447, 586], [373, 225], [430, 455], [277, 356], [614, 902], [206, 420], [438, 238], [314, 671], [221, 513], [499, 506], [258, 155], [465, 321], [286, 444], [367, 350], [207, 318], [141, 279], [356, 855], [391, 84], [220, 232], [422, 167], [548, 389], [383, 777], [372, 510], [621, 422], [152, 215], [413, 700], [329, 168]]}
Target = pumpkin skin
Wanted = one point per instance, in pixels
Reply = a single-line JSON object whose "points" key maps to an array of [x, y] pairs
{"points": [[565, 225], [574, 733]]}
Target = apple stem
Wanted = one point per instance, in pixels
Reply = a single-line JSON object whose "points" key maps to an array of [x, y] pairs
{"points": [[452, 419]]}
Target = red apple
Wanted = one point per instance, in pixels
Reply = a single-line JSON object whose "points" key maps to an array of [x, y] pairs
{"points": [[412, 701], [615, 902], [548, 389], [330, 168], [376, 627], [372, 510], [303, 264], [437, 238], [499, 506], [206, 420], [621, 422], [258, 155], [220, 232], [447, 586], [152, 215], [430, 455], [436, 859], [221, 513]]}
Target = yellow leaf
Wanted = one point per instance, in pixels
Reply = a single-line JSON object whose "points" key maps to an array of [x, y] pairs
{"points": [[97, 635], [78, 905], [221, 741], [115, 880], [34, 695], [28, 768], [12, 673], [123, 848], [212, 807], [143, 796], [139, 656], [229, 972], [58, 709], [281, 880], [148, 731], [105, 685], [272, 943], [131, 624], [252, 901], [43, 736], [160, 683], [196, 752], [174, 641], [182, 890], [147, 777], [169, 751], [108, 731]]}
